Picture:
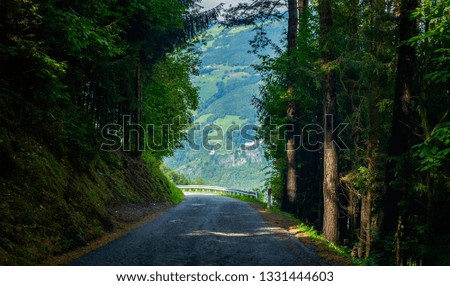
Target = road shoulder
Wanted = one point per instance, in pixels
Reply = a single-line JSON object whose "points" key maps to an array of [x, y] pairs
{"points": [[320, 250]]}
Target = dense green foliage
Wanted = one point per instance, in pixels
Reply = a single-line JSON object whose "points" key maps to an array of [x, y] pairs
{"points": [[69, 71], [89, 63], [368, 41]]}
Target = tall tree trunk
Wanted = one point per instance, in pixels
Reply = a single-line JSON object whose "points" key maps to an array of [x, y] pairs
{"points": [[290, 198], [349, 200], [292, 26], [377, 8], [423, 111], [302, 5], [290, 204], [139, 137], [330, 157], [400, 134]]}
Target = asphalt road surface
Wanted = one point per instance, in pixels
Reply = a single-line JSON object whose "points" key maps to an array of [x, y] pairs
{"points": [[204, 230]]}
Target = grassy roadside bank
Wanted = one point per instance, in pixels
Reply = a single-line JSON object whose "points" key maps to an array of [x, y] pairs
{"points": [[51, 204]]}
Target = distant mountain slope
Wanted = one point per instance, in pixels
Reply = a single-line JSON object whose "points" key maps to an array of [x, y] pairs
{"points": [[227, 84]]}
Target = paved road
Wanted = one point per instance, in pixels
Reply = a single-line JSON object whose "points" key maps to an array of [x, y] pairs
{"points": [[204, 230]]}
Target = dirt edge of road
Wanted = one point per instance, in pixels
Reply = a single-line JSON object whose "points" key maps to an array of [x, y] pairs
{"points": [[131, 217], [321, 250]]}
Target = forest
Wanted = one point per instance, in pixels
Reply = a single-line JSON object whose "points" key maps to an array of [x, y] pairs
{"points": [[72, 71], [358, 91], [360, 96]]}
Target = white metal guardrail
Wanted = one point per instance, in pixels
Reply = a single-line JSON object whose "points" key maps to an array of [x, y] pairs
{"points": [[198, 188]]}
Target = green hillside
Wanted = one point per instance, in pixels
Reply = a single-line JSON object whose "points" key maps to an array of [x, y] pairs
{"points": [[227, 83]]}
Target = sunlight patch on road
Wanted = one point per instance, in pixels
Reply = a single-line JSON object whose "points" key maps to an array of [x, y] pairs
{"points": [[261, 231]]}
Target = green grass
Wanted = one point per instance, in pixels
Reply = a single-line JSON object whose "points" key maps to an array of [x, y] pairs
{"points": [[207, 86], [215, 30], [248, 199], [239, 29], [313, 234], [176, 195], [203, 119], [240, 75], [228, 121], [221, 73], [207, 45]]}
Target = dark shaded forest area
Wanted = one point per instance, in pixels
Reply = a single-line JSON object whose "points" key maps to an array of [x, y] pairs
{"points": [[378, 184], [70, 69]]}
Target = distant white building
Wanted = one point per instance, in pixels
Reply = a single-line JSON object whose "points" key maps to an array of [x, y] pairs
{"points": [[251, 145]]}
